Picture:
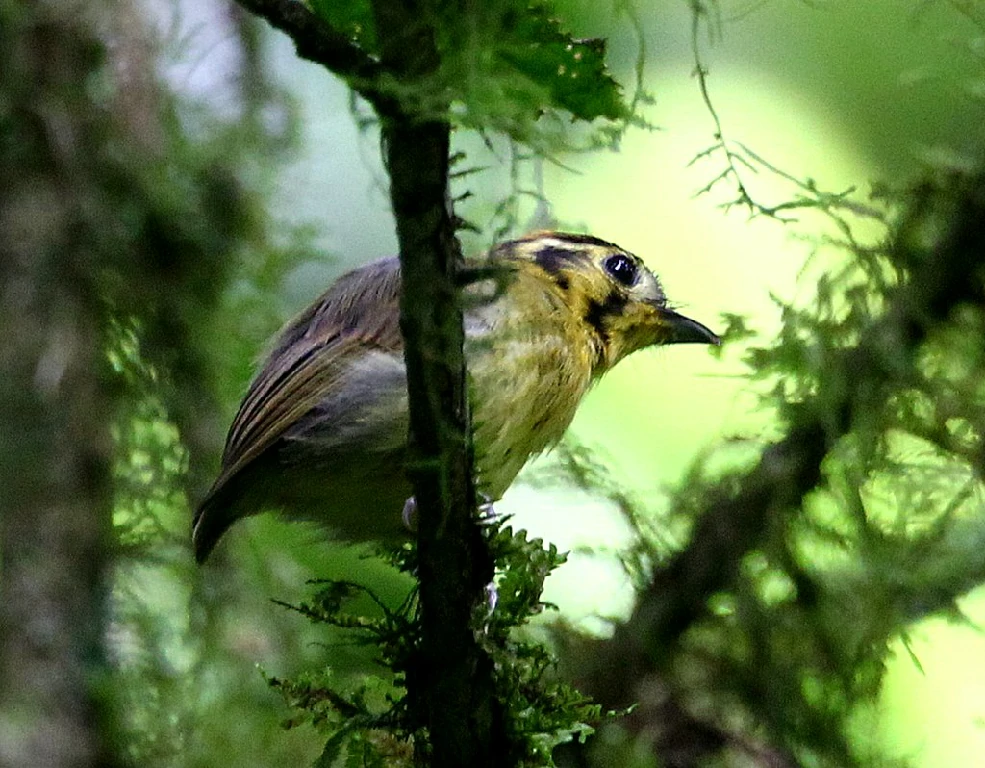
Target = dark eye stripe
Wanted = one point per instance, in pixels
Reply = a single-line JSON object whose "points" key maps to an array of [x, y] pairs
{"points": [[552, 259], [555, 262]]}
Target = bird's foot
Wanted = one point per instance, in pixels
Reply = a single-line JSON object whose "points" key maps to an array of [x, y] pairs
{"points": [[488, 608], [487, 514], [409, 515], [492, 597]]}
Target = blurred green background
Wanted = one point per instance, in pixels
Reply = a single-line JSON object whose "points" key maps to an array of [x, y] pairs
{"points": [[844, 93]]}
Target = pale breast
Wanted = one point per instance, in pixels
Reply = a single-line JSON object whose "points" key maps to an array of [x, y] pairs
{"points": [[528, 372]]}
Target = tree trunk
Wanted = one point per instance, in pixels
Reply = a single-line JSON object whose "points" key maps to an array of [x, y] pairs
{"points": [[55, 402]]}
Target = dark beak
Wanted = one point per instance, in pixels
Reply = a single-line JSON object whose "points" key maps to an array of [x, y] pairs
{"points": [[684, 330]]}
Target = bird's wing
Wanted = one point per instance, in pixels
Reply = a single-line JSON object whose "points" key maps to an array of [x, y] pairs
{"points": [[359, 313]]}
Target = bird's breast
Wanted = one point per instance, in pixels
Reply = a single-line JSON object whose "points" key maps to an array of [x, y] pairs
{"points": [[528, 372]]}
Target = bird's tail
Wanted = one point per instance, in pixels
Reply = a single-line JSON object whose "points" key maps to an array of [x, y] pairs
{"points": [[212, 518]]}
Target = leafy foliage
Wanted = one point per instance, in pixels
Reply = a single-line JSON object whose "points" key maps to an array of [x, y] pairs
{"points": [[779, 661], [886, 362], [353, 19], [510, 67], [573, 71], [368, 717]]}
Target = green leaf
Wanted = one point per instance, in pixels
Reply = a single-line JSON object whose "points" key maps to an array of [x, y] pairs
{"points": [[571, 70], [332, 751], [353, 18], [507, 61]]}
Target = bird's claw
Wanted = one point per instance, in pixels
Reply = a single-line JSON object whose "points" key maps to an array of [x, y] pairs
{"points": [[409, 514], [487, 514]]}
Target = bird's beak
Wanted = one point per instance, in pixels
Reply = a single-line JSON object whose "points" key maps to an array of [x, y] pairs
{"points": [[684, 330]]}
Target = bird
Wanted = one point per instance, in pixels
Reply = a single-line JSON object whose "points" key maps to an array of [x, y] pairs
{"points": [[321, 433]]}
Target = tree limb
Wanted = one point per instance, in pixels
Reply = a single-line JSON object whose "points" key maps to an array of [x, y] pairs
{"points": [[452, 687], [453, 690], [315, 40]]}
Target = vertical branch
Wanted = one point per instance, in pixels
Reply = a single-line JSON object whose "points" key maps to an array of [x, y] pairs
{"points": [[455, 690], [452, 687], [452, 690]]}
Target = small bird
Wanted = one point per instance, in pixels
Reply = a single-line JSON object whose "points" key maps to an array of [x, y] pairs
{"points": [[322, 432]]}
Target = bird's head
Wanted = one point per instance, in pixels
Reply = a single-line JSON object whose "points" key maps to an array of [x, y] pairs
{"points": [[607, 289]]}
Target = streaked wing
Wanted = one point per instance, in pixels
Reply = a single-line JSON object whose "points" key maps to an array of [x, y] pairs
{"points": [[358, 313]]}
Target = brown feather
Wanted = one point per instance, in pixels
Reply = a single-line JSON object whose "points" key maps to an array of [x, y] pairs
{"points": [[358, 313]]}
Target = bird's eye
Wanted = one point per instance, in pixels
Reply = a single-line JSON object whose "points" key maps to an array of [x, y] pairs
{"points": [[622, 268]]}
